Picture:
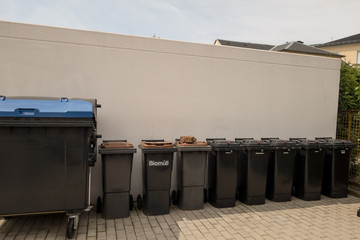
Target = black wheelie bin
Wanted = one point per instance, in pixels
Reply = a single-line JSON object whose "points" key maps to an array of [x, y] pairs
{"points": [[157, 159], [117, 162], [309, 166], [253, 164], [191, 162], [336, 167], [47, 146], [281, 169], [222, 172]]}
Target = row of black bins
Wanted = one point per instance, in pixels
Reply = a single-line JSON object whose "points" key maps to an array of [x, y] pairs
{"points": [[244, 169]]}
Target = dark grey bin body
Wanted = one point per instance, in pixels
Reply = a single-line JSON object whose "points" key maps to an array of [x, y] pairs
{"points": [[116, 205], [309, 170], [157, 168], [116, 174], [222, 173], [336, 168], [45, 163], [281, 170], [253, 169], [191, 163]]}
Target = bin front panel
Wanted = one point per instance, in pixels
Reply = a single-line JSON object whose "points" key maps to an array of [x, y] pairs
{"points": [[43, 169], [158, 167], [191, 169], [226, 175], [314, 170], [257, 172], [336, 171], [284, 164], [117, 172]]}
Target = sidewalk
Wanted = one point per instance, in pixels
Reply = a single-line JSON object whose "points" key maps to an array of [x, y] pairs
{"points": [[298, 219]]}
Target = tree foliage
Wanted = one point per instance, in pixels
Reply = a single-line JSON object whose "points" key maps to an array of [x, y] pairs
{"points": [[349, 94]]}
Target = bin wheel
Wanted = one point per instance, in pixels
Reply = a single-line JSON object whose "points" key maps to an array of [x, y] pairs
{"points": [[174, 197], [237, 194], [131, 202], [70, 228], [206, 199], [358, 212], [139, 202], [98, 205]]}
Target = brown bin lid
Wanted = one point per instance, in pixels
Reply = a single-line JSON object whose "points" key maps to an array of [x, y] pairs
{"points": [[156, 144], [194, 144], [116, 145], [188, 141]]}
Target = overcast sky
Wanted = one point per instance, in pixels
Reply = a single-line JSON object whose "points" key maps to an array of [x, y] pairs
{"points": [[258, 21]]}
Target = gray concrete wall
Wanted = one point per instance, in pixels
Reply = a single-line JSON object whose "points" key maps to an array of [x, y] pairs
{"points": [[155, 88]]}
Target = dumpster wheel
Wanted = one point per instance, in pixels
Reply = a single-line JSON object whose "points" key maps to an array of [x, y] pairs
{"points": [[131, 202], [139, 202], [71, 227], [98, 205]]}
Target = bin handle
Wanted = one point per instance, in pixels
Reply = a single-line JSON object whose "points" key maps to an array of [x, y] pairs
{"points": [[27, 111]]}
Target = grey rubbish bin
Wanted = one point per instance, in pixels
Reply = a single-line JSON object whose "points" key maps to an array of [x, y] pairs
{"points": [[309, 166], [281, 170], [157, 159], [336, 167], [117, 161], [253, 168], [47, 146], [222, 173], [191, 162]]}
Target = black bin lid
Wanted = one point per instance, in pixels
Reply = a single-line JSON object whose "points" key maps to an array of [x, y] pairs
{"points": [[253, 144], [284, 144], [225, 145], [336, 143]]}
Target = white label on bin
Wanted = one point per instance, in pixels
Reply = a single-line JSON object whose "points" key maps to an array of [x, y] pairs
{"points": [[260, 153], [158, 163], [343, 151], [285, 152]]}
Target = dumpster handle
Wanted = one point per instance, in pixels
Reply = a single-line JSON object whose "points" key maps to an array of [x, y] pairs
{"points": [[27, 111]]}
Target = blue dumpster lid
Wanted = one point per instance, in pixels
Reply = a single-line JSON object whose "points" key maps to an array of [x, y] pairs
{"points": [[45, 108]]}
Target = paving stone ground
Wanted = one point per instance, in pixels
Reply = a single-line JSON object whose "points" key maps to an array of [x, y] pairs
{"points": [[298, 219]]}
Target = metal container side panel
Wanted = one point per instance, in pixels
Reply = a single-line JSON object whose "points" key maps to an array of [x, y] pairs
{"points": [[43, 169], [117, 170], [157, 171], [191, 169]]}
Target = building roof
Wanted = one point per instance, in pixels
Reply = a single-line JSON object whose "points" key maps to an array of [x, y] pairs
{"points": [[343, 41], [245, 44], [294, 47], [299, 47]]}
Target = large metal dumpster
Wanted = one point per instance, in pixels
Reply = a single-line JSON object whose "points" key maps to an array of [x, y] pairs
{"points": [[46, 148]]}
